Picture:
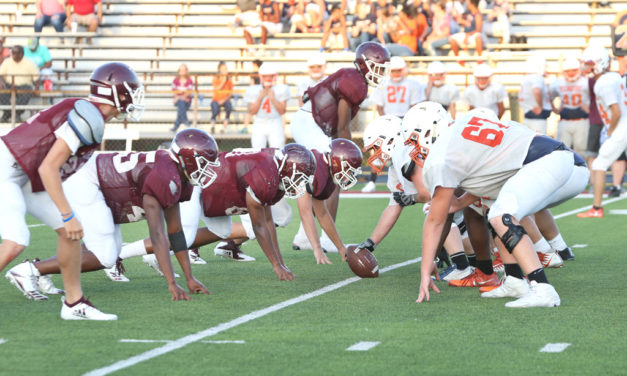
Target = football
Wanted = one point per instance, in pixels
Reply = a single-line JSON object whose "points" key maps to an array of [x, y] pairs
{"points": [[362, 262]]}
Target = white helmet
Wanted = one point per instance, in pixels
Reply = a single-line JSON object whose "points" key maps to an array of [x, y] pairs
{"points": [[315, 60], [482, 71], [379, 137], [270, 72], [597, 55], [396, 63], [436, 67], [570, 68], [536, 65], [483, 113], [422, 124]]}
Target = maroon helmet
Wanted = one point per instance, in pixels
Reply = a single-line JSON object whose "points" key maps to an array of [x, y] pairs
{"points": [[197, 152], [372, 61], [297, 166], [116, 84], [345, 162]]}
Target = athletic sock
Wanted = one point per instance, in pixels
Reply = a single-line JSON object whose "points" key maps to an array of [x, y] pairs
{"points": [[460, 260], [597, 207], [133, 249], [558, 243], [538, 275], [514, 270], [472, 260], [485, 266], [542, 246]]}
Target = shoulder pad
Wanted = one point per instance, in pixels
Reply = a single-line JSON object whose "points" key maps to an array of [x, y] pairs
{"points": [[87, 122]]}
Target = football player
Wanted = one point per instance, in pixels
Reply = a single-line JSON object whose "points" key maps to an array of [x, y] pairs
{"points": [[45, 150], [572, 90], [438, 90], [399, 93], [534, 95], [522, 171], [316, 66], [116, 188], [609, 89], [485, 93], [268, 102], [249, 181], [340, 168]]}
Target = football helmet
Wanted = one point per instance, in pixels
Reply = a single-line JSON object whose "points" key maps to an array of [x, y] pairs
{"points": [[345, 162], [437, 70], [316, 65], [571, 69], [197, 153], [598, 57], [482, 74], [421, 126], [379, 137], [116, 84], [297, 166], [536, 65], [268, 74], [372, 60], [398, 69]]}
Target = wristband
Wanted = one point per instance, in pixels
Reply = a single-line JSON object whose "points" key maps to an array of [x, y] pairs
{"points": [[65, 220], [177, 241]]}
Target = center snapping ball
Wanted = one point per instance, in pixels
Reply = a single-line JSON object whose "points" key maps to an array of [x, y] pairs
{"points": [[362, 262]]}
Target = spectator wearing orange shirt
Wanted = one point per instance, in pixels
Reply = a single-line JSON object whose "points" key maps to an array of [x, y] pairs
{"points": [[222, 93], [82, 12], [410, 28]]}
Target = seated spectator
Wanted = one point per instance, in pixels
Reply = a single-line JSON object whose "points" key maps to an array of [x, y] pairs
{"points": [[471, 36], [182, 87], [38, 54], [440, 29], [50, 12], [222, 93], [334, 31], [19, 74], [409, 26], [288, 11], [248, 14], [386, 22], [4, 51], [82, 12], [308, 16], [270, 16], [497, 20], [454, 9], [364, 26]]}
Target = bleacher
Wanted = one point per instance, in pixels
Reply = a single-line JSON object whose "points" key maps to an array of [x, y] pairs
{"points": [[156, 36]]}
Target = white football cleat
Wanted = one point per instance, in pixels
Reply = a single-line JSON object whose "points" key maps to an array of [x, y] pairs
{"points": [[511, 287], [301, 243], [24, 277], [369, 187], [328, 245], [230, 250], [195, 258], [84, 310], [550, 260], [151, 260], [115, 274], [45, 285], [539, 295], [458, 274]]}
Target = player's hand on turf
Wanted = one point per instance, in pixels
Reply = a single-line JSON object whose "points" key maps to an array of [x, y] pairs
{"points": [[73, 229], [195, 287], [177, 292], [321, 258], [283, 273], [426, 283]]}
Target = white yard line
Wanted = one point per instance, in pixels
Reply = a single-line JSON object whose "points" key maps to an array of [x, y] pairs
{"points": [[168, 341], [2, 340], [554, 347], [362, 346], [189, 339]]}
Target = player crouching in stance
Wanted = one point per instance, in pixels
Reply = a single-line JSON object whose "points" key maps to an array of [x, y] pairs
{"points": [[42, 152], [522, 171], [249, 181], [116, 188]]}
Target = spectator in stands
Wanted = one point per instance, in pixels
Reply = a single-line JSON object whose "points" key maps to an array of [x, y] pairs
{"points": [[4, 51], [316, 65], [19, 74], [334, 34], [182, 87], [50, 12], [411, 26], [440, 29], [454, 9], [222, 93], [288, 11], [270, 22], [308, 16], [82, 12], [471, 22], [534, 95], [439, 91], [497, 19], [485, 93], [38, 54], [364, 26], [386, 22], [248, 15]]}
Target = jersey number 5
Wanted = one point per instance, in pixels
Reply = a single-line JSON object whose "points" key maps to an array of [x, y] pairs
{"points": [[484, 131]]}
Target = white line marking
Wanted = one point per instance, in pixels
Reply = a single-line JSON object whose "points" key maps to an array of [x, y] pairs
{"points": [[554, 347], [36, 225], [362, 346], [619, 211], [145, 341], [575, 211], [239, 342], [578, 246], [184, 341], [2, 340]]}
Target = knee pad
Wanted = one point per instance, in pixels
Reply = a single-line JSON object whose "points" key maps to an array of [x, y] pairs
{"points": [[513, 235]]}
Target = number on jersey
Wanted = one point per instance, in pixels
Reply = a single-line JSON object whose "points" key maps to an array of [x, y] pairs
{"points": [[484, 131], [396, 94]]}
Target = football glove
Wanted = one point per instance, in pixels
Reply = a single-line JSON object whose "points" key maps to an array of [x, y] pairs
{"points": [[402, 199], [368, 244]]}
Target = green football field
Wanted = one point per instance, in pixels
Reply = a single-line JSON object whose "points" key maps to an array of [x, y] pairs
{"points": [[252, 324]]}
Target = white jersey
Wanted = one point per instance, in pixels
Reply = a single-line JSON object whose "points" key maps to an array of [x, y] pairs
{"points": [[477, 155], [400, 159], [489, 97], [397, 98], [525, 95], [305, 84], [267, 109], [444, 95], [571, 95], [610, 89]]}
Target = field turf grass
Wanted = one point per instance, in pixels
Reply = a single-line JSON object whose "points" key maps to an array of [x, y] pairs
{"points": [[456, 333]]}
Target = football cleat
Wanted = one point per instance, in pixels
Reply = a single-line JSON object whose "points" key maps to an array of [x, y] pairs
{"points": [[84, 310], [566, 254], [476, 279], [497, 264], [45, 285], [369, 187], [550, 260], [615, 191], [301, 243], [510, 287], [24, 278], [327, 245], [115, 274], [447, 271], [151, 260], [194, 257], [457, 274], [539, 295], [592, 213], [230, 250]]}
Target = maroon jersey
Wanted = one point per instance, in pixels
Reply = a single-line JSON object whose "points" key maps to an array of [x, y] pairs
{"points": [[125, 178], [347, 84], [239, 170], [323, 184], [31, 141]]}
